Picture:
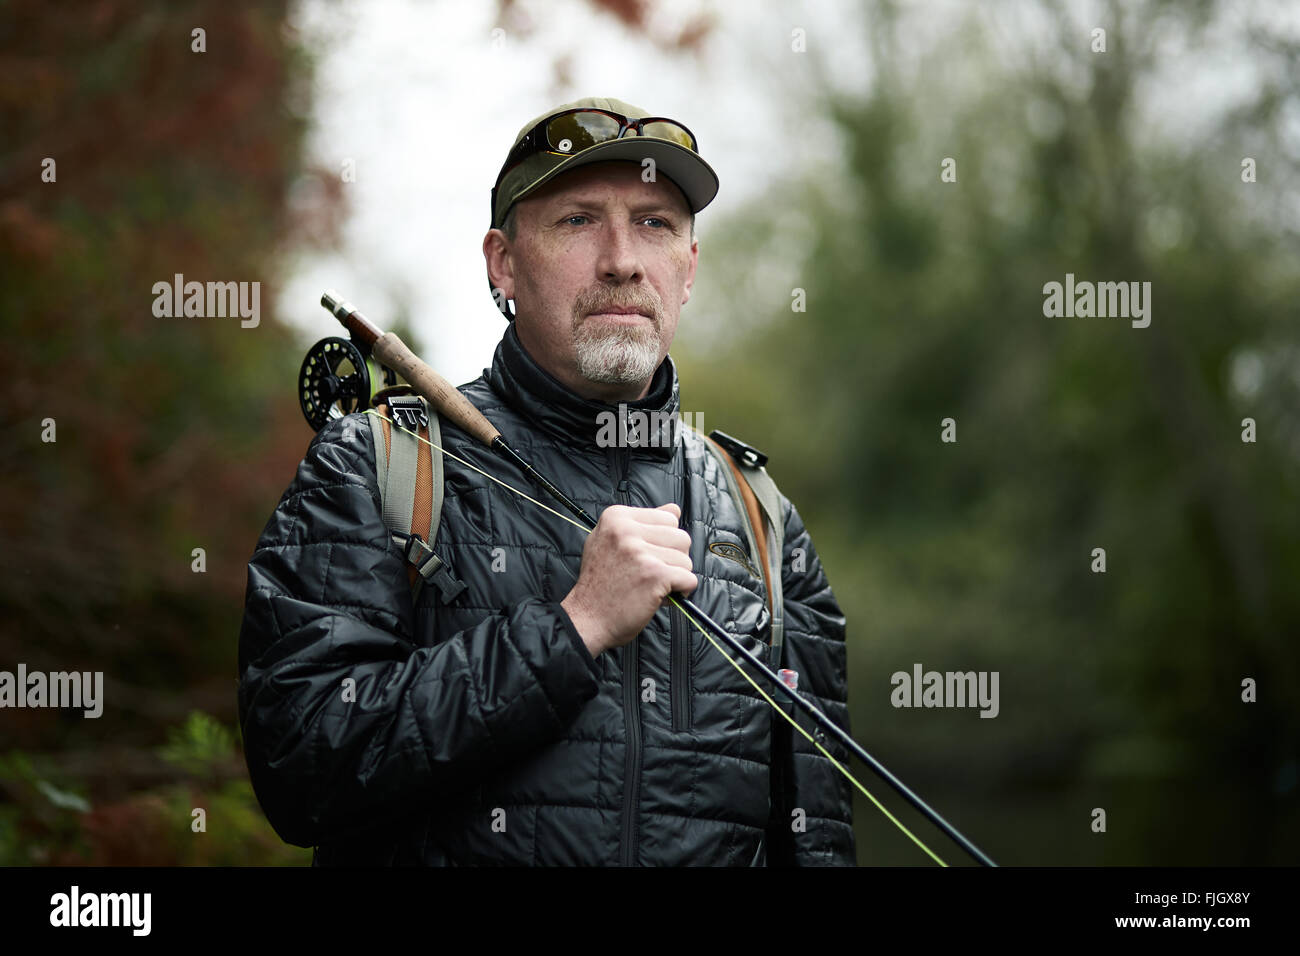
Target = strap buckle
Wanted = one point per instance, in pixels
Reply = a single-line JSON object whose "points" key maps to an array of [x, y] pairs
{"points": [[747, 455], [430, 567], [409, 411]]}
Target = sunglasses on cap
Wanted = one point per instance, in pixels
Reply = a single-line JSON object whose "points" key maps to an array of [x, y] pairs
{"points": [[574, 130]]}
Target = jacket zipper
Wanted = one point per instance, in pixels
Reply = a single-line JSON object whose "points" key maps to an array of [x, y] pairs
{"points": [[679, 678], [631, 701], [677, 686]]}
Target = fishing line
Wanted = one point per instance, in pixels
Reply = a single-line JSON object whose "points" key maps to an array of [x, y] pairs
{"points": [[743, 673]]}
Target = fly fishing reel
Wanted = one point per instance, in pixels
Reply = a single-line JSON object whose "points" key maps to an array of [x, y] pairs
{"points": [[335, 380]]}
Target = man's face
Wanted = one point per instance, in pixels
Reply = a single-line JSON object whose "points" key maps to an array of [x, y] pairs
{"points": [[591, 244]]}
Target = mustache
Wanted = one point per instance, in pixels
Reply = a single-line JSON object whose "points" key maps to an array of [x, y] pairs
{"points": [[605, 301]]}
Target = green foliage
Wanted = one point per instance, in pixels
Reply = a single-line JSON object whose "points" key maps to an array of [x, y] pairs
{"points": [[47, 819], [37, 815], [925, 301], [198, 744]]}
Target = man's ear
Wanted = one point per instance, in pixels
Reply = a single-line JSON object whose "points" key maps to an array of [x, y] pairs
{"points": [[500, 264], [690, 275]]}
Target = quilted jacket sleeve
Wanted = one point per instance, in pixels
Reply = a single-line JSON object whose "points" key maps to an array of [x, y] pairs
{"points": [[803, 778], [346, 721]]}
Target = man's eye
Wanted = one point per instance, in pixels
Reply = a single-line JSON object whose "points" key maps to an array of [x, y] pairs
{"points": [[663, 223]]}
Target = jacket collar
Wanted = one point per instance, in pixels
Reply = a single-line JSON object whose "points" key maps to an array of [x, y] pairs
{"points": [[551, 408]]}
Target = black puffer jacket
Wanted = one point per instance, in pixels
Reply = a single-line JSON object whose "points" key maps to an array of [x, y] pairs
{"points": [[482, 731]]}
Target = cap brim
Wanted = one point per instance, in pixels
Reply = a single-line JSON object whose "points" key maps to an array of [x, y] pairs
{"points": [[685, 167]]}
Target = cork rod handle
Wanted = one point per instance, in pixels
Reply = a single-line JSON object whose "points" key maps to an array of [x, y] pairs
{"points": [[446, 399]]}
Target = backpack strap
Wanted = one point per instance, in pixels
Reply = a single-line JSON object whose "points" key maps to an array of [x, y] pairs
{"points": [[750, 484], [769, 499], [410, 478]]}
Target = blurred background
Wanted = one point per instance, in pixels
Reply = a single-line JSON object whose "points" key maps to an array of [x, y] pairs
{"points": [[351, 145]]}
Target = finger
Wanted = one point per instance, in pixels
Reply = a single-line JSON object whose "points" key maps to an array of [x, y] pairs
{"points": [[615, 512], [670, 556], [666, 537], [655, 517], [684, 582], [670, 512]]}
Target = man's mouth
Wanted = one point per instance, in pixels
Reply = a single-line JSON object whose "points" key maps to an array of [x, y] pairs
{"points": [[617, 316]]}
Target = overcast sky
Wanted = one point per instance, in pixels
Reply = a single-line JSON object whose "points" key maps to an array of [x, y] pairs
{"points": [[427, 105], [425, 100]]}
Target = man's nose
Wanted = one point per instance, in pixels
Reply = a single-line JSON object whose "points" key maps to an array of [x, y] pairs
{"points": [[619, 259]]}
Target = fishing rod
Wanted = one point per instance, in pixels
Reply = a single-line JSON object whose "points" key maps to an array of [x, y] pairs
{"points": [[448, 401]]}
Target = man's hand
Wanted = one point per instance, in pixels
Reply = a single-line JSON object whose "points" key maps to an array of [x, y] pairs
{"points": [[633, 559]]}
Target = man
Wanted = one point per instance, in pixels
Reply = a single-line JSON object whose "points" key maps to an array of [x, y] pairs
{"points": [[555, 711]]}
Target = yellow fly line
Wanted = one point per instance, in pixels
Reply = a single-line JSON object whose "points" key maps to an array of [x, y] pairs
{"points": [[780, 710]]}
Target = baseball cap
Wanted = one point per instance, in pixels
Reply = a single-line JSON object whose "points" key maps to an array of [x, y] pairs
{"points": [[684, 166]]}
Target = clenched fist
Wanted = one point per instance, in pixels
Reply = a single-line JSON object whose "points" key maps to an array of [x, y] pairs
{"points": [[633, 559]]}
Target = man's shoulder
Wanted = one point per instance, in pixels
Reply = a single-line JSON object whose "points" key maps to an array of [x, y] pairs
{"points": [[492, 406], [355, 430], [342, 446], [718, 448]]}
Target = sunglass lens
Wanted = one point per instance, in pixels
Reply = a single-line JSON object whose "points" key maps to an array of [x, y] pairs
{"points": [[575, 132], [670, 131]]}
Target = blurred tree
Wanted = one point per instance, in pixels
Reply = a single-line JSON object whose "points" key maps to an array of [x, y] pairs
{"points": [[925, 301], [167, 161], [136, 149]]}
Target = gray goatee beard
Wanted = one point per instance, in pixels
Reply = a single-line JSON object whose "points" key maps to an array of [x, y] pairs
{"points": [[617, 356]]}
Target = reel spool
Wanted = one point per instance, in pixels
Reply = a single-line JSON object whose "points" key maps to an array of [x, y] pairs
{"points": [[334, 380]]}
